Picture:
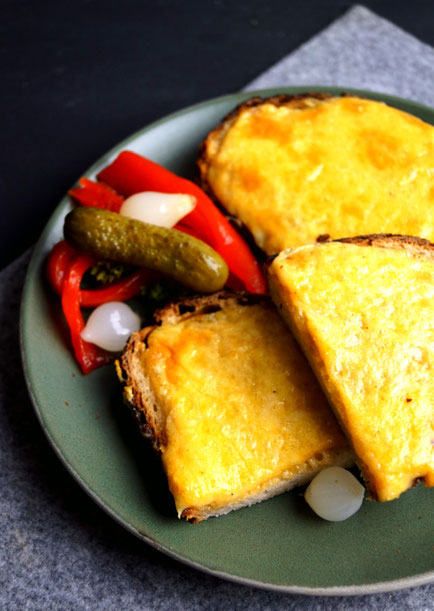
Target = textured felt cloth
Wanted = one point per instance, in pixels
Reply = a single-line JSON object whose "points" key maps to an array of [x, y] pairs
{"points": [[59, 550]]}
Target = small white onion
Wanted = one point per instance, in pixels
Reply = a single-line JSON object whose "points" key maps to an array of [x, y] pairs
{"points": [[163, 209], [110, 325], [335, 494]]}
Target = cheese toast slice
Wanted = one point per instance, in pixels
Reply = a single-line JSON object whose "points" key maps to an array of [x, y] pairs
{"points": [[363, 311], [300, 169], [227, 398]]}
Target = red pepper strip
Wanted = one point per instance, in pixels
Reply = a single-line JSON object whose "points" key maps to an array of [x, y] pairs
{"points": [[130, 173], [88, 355], [96, 194], [121, 290], [58, 262]]}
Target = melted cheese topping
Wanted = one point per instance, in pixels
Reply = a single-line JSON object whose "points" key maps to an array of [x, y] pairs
{"points": [[366, 317], [240, 404], [343, 167]]}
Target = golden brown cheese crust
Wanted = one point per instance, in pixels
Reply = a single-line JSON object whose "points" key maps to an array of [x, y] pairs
{"points": [[363, 311], [296, 169], [229, 401]]}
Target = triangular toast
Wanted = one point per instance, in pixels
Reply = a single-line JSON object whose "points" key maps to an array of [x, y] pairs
{"points": [[363, 311]]}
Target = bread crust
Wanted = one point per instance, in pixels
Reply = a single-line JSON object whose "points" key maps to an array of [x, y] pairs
{"points": [[344, 458], [418, 247]]}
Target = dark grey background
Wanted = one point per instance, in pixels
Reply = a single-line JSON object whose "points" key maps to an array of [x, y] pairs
{"points": [[77, 77]]}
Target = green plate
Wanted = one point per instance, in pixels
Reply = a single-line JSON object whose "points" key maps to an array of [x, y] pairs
{"points": [[278, 544]]}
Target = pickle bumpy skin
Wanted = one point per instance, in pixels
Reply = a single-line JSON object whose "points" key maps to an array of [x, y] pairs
{"points": [[108, 235]]}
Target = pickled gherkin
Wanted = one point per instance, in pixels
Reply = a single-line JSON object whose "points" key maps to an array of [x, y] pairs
{"points": [[108, 235]]}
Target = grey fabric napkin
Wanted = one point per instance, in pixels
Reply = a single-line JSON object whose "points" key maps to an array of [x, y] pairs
{"points": [[59, 550]]}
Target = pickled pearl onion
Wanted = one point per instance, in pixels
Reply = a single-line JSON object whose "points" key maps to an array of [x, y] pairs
{"points": [[110, 325], [162, 209], [335, 494]]}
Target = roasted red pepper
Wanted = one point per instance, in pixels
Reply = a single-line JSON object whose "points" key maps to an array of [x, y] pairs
{"points": [[88, 355], [131, 173], [96, 194], [58, 262], [57, 265], [121, 290]]}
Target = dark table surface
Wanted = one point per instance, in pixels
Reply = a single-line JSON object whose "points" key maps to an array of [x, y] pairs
{"points": [[77, 77]]}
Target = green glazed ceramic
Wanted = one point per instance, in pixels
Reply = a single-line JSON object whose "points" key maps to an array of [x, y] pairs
{"points": [[278, 544]]}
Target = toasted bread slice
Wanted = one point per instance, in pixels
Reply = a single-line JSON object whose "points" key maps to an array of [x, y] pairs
{"points": [[363, 311], [228, 399], [299, 169]]}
